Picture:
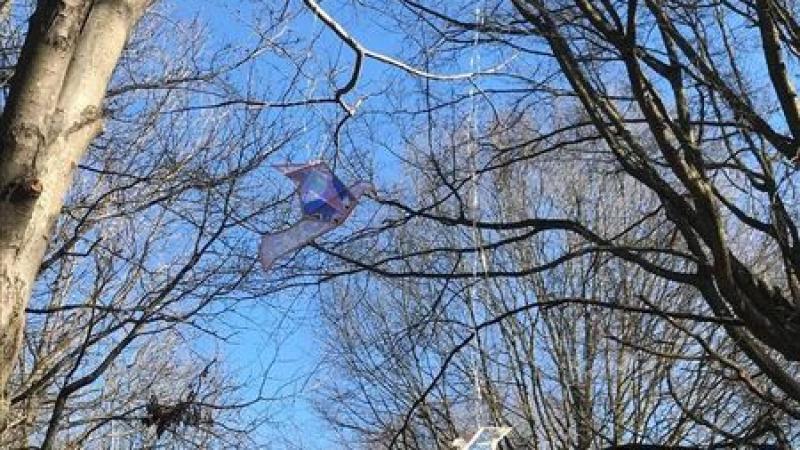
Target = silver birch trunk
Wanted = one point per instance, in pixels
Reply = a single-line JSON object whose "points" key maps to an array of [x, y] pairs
{"points": [[53, 112]]}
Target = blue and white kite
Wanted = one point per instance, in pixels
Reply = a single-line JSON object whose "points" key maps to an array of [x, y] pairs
{"points": [[325, 201]]}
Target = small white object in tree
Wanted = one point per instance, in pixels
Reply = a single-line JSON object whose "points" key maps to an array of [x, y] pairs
{"points": [[487, 438]]}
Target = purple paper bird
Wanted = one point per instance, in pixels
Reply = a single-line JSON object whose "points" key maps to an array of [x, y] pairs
{"points": [[326, 203]]}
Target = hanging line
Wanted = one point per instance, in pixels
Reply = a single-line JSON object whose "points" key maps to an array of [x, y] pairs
{"points": [[315, 107], [308, 93], [310, 90], [480, 256]]}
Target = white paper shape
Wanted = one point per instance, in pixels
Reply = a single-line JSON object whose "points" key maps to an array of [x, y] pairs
{"points": [[487, 438]]}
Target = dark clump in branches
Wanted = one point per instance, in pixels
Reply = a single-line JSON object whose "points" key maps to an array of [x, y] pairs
{"points": [[172, 416]]}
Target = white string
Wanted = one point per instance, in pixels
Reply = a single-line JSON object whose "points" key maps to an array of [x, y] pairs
{"points": [[309, 92], [475, 211], [311, 89]]}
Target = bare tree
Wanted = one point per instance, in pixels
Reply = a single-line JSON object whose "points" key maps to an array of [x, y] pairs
{"points": [[588, 353]]}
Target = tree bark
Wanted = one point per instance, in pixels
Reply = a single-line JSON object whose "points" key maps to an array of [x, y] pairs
{"points": [[53, 112]]}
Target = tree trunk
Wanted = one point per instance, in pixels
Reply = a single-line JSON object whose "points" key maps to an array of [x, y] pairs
{"points": [[54, 110]]}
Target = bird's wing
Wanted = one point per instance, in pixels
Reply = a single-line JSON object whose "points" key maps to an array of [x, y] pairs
{"points": [[275, 245], [298, 172]]}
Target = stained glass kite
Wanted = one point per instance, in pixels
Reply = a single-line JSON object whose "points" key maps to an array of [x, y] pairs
{"points": [[487, 438], [325, 202]]}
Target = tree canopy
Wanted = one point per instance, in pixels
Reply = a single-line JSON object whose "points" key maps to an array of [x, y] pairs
{"points": [[585, 226]]}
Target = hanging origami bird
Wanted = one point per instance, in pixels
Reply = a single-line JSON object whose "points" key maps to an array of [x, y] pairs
{"points": [[325, 201]]}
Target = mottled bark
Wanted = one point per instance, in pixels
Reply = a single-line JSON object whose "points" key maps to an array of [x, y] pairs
{"points": [[54, 110]]}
